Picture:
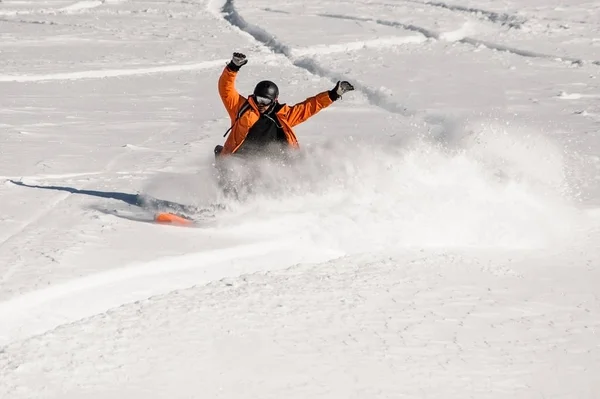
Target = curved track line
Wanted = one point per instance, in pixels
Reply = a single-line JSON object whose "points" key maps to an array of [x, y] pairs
{"points": [[28, 22], [41, 311], [75, 7], [82, 5], [503, 19], [46, 210], [384, 42], [51, 176], [110, 73], [395, 24], [376, 97], [291, 54], [466, 40]]}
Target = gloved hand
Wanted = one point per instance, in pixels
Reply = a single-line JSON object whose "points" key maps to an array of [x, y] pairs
{"points": [[237, 61], [340, 88]]}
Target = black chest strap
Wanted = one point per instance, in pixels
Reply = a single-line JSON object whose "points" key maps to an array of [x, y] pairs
{"points": [[245, 107]]}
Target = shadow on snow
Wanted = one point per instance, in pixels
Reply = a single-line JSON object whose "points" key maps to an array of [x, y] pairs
{"points": [[138, 200]]}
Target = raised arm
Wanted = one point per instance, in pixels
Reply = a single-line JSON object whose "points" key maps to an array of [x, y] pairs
{"points": [[232, 100], [302, 111]]}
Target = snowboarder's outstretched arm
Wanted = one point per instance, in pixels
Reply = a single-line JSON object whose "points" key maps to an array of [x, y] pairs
{"points": [[302, 111], [232, 100]]}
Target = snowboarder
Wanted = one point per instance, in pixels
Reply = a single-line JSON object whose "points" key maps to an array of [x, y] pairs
{"points": [[260, 123]]}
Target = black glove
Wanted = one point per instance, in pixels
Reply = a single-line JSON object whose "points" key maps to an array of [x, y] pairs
{"points": [[238, 61], [340, 89]]}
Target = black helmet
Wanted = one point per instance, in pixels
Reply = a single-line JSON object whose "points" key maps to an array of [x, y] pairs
{"points": [[268, 89]]}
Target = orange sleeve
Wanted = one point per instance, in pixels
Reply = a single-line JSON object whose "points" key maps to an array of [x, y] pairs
{"points": [[302, 111], [230, 96]]}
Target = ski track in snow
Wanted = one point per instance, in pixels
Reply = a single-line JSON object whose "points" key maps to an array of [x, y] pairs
{"points": [[43, 310], [377, 97], [466, 40], [512, 21], [82, 5], [424, 31], [298, 57], [383, 42], [58, 199], [75, 7], [269, 9], [108, 73], [23, 21], [576, 96], [266, 39], [51, 176], [301, 52], [61, 176]]}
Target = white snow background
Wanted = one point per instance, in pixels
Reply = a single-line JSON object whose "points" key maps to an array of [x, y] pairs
{"points": [[439, 239]]}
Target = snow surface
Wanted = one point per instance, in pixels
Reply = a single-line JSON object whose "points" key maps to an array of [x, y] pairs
{"points": [[440, 237]]}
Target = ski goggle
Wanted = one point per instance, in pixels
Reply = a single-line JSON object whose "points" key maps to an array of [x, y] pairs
{"points": [[263, 100]]}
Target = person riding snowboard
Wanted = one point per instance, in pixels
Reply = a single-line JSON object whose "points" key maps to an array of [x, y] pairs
{"points": [[260, 122]]}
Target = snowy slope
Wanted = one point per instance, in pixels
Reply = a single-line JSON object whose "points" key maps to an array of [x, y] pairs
{"points": [[440, 238]]}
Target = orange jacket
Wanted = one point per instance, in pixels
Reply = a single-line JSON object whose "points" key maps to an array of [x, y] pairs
{"points": [[288, 116]]}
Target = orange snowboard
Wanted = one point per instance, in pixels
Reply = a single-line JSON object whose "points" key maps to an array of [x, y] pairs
{"points": [[171, 218]]}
